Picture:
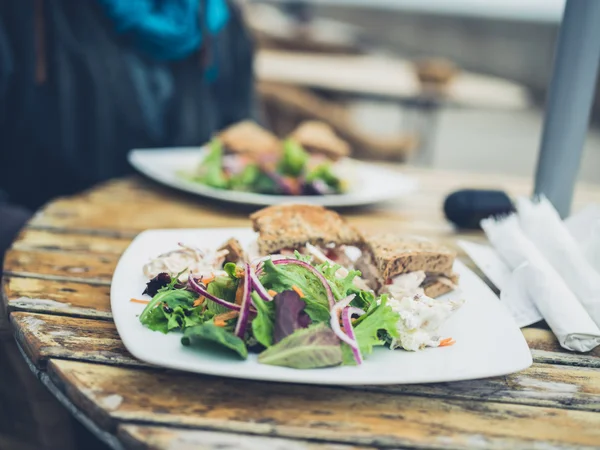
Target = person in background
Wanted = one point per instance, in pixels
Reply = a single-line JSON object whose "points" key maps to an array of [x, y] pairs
{"points": [[83, 82]]}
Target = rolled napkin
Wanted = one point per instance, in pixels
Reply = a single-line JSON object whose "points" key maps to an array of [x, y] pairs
{"points": [[591, 248], [542, 284], [585, 229], [543, 226], [572, 327]]}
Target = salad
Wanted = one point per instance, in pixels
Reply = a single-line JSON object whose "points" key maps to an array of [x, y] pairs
{"points": [[246, 157], [295, 311]]}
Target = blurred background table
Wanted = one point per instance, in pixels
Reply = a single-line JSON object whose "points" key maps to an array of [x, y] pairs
{"points": [[56, 292]]}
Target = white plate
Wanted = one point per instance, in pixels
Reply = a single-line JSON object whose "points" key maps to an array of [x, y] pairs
{"points": [[488, 342], [368, 183]]}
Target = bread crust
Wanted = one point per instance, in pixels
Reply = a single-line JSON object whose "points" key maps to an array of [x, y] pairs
{"points": [[318, 137], [250, 139], [393, 255], [291, 226]]}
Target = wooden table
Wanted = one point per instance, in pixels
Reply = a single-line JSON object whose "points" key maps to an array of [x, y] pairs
{"points": [[56, 289]]}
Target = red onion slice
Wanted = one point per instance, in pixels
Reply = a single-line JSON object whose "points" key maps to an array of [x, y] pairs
{"points": [[318, 274], [242, 322], [354, 311], [193, 284], [335, 321], [258, 287], [346, 315]]}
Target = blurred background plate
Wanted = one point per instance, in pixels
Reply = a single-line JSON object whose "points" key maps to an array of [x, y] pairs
{"points": [[368, 183]]}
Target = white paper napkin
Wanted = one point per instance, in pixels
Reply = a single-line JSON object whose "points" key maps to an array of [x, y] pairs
{"points": [[541, 223], [534, 289]]}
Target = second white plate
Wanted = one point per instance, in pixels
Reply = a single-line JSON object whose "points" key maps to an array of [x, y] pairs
{"points": [[368, 183]]}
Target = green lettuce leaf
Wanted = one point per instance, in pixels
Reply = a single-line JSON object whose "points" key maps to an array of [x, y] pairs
{"points": [[308, 348], [283, 277], [208, 333], [156, 318], [363, 299], [341, 287], [210, 171], [263, 184], [263, 324], [246, 179], [324, 172], [231, 269], [371, 329], [347, 355], [294, 158], [223, 287]]}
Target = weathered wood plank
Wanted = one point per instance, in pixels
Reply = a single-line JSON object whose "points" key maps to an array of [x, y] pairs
{"points": [[539, 385], [43, 240], [111, 395], [45, 336], [137, 437], [546, 349], [147, 203], [56, 297], [61, 266]]}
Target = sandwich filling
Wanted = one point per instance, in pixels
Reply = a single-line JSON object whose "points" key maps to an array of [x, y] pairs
{"points": [[420, 319], [395, 265]]}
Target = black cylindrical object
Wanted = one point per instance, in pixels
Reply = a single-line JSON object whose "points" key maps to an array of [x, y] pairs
{"points": [[467, 207]]}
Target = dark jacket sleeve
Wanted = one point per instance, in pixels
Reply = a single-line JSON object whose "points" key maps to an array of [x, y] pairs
{"points": [[236, 71], [6, 72]]}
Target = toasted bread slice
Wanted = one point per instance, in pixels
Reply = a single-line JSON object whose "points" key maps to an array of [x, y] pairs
{"points": [[439, 287], [235, 251], [250, 139], [318, 137], [291, 226], [393, 256]]}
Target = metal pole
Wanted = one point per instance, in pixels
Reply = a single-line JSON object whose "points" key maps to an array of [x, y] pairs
{"points": [[569, 103]]}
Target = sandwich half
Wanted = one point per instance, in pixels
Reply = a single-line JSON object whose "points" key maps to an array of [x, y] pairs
{"points": [[318, 138], [399, 266], [249, 139], [290, 227]]}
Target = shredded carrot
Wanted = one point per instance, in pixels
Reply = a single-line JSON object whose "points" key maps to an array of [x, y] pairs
{"points": [[143, 302], [298, 291], [447, 342], [239, 293], [221, 319], [208, 279], [272, 293], [199, 301], [227, 316]]}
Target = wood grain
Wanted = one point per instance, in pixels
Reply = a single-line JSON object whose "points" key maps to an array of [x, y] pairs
{"points": [[112, 394], [44, 336], [138, 437], [546, 349], [57, 286], [151, 206], [43, 240], [61, 266], [77, 299]]}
